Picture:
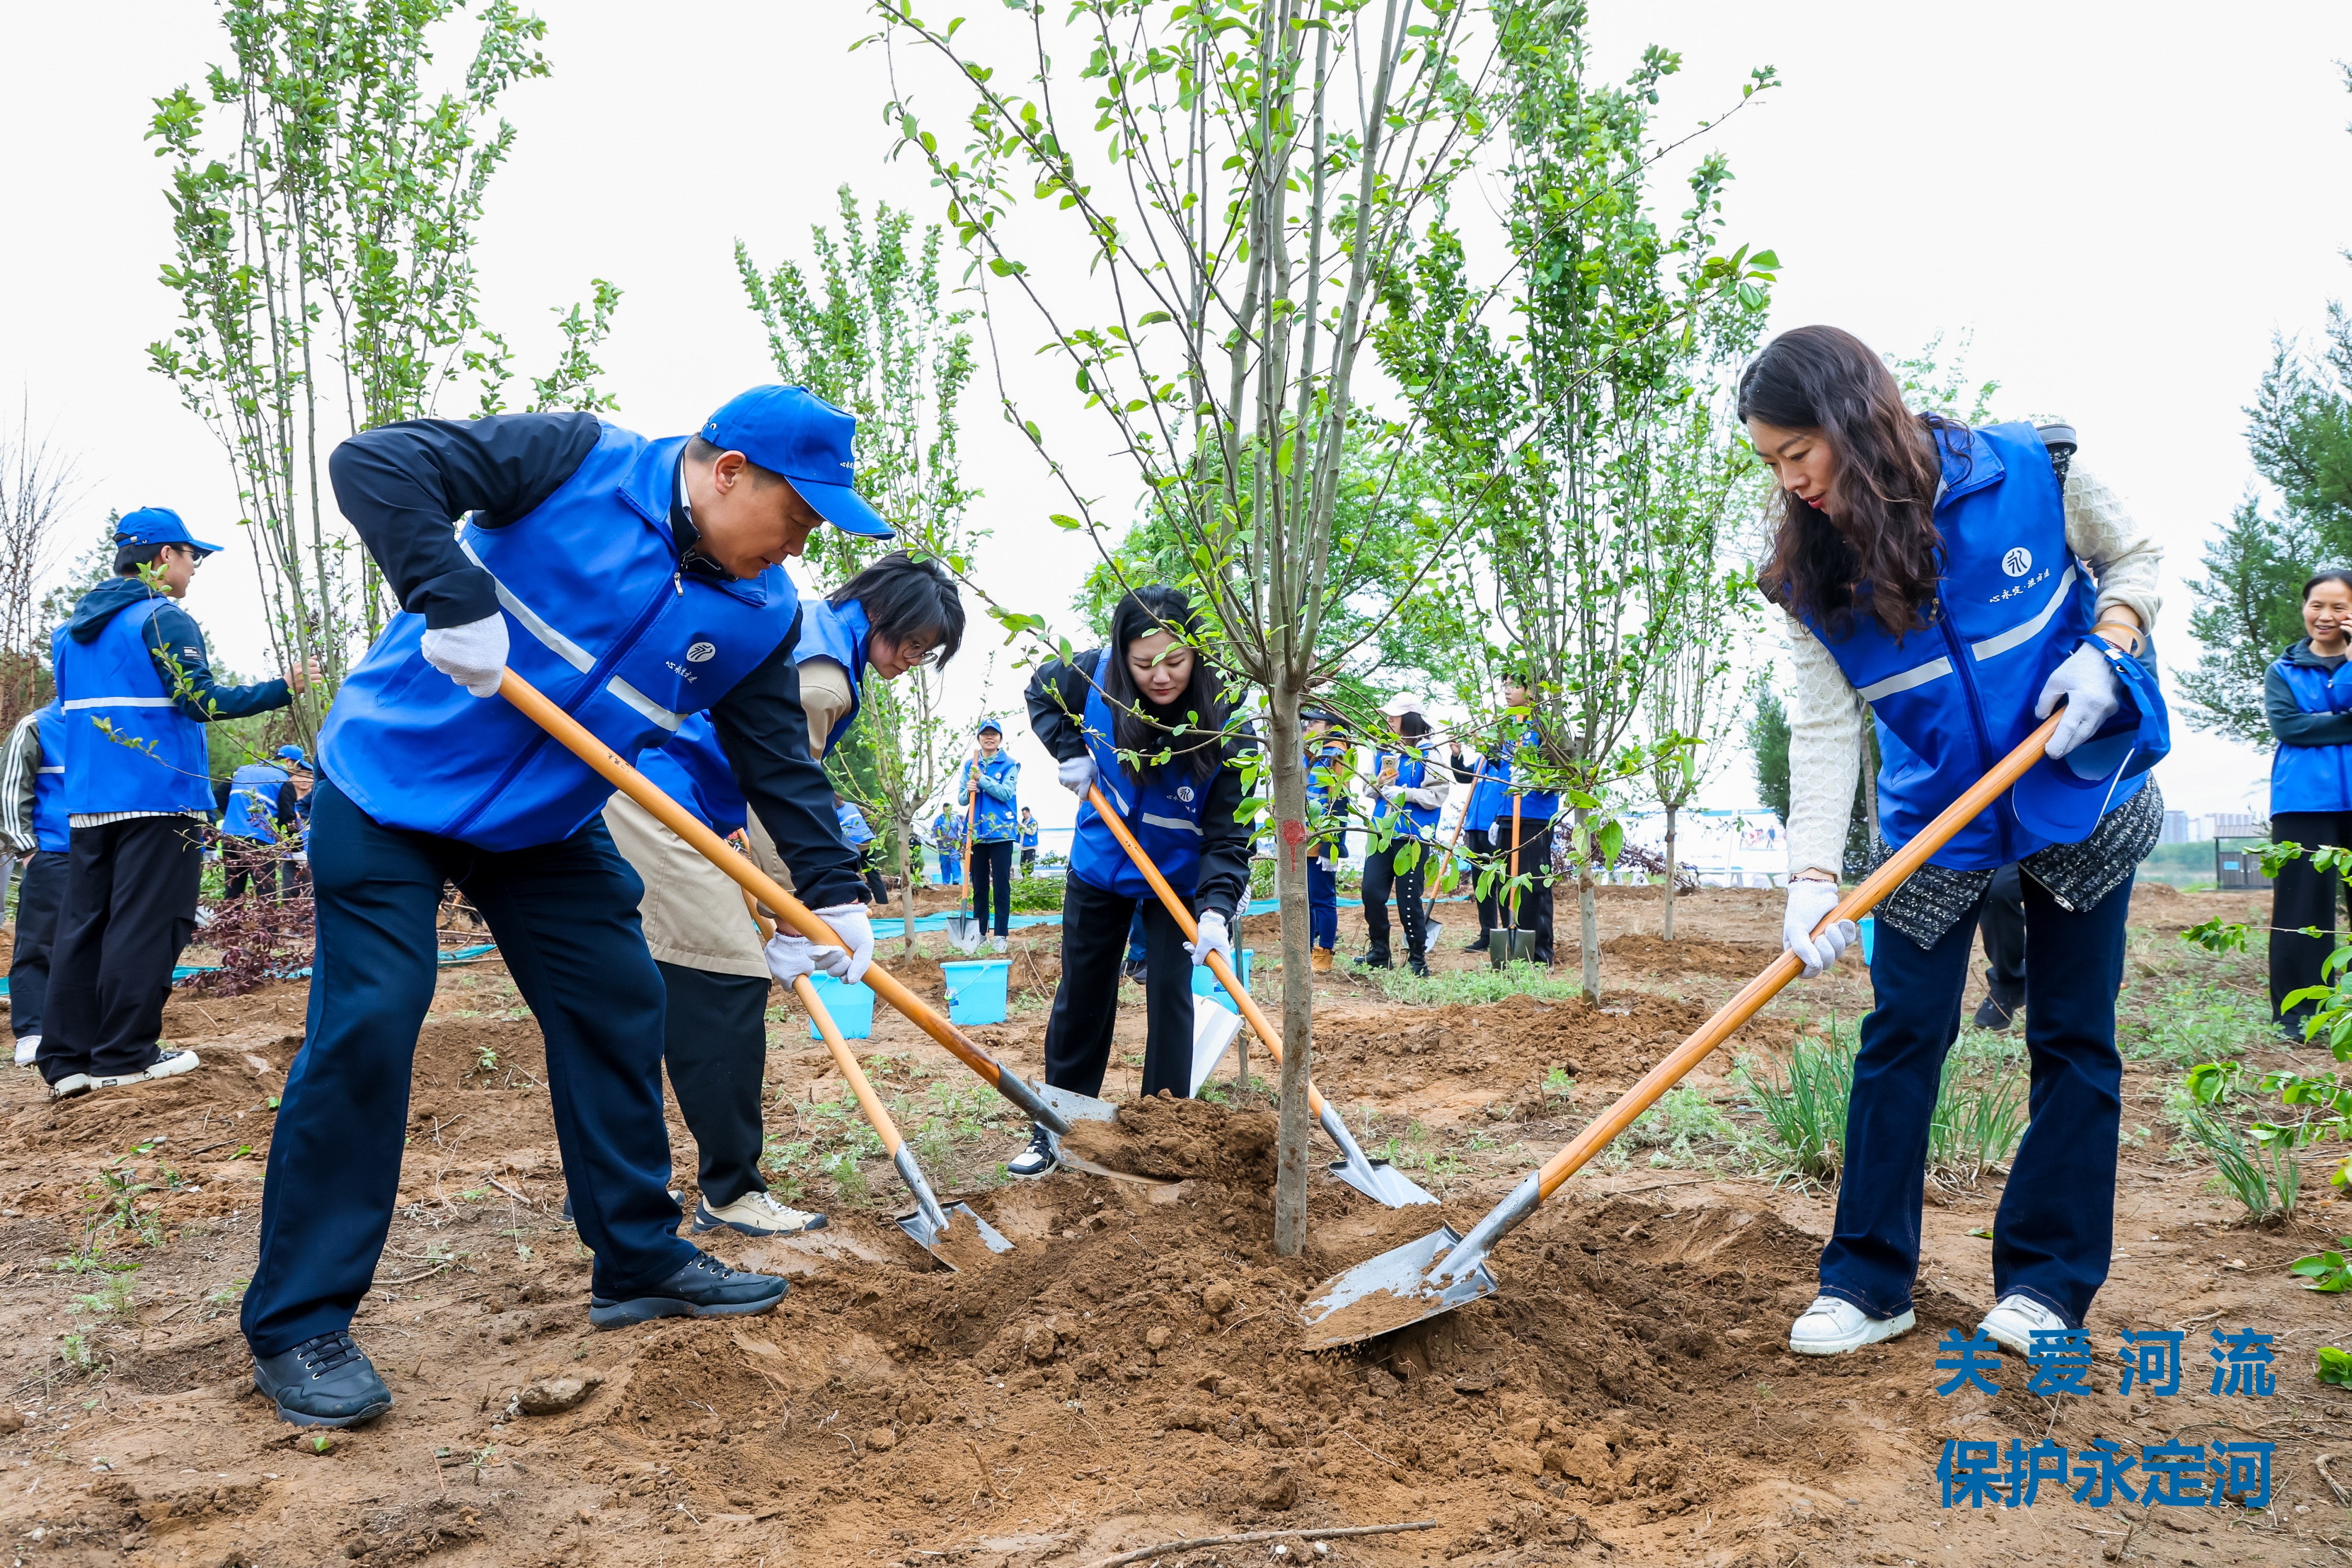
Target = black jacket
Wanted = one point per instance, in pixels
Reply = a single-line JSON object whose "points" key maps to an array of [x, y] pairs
{"points": [[1058, 705]]}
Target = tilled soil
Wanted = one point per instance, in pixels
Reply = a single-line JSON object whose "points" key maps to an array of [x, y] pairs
{"points": [[1129, 1374]]}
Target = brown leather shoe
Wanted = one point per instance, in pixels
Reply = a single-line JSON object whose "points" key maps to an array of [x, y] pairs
{"points": [[1318, 959]]}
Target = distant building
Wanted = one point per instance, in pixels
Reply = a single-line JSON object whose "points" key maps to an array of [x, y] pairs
{"points": [[2176, 827], [2229, 825]]}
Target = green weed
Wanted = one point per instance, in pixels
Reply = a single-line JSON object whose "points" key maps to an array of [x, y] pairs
{"points": [[1977, 1119], [1804, 1107], [2266, 1178], [110, 1299], [1475, 987], [1679, 1126], [2193, 1024], [1558, 1085]]}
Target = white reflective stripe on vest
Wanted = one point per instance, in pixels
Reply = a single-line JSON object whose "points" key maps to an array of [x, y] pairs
{"points": [[59, 769], [122, 703], [1991, 648], [570, 652], [1180, 824]]}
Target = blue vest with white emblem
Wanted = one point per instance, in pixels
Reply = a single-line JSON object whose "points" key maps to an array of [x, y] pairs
{"points": [[600, 619], [127, 746], [1163, 810], [1954, 699], [252, 802], [691, 770], [1412, 773], [2313, 778], [1029, 834], [1490, 797], [1535, 804], [51, 829], [837, 632], [999, 821]]}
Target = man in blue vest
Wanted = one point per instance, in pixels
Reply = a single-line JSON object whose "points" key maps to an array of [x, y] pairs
{"points": [[636, 583], [33, 818], [136, 691], [1028, 841], [259, 822]]}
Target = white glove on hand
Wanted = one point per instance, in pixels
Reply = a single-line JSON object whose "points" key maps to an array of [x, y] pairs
{"points": [[473, 655], [845, 965], [2092, 694], [1808, 903], [1078, 774], [1212, 937], [790, 956]]}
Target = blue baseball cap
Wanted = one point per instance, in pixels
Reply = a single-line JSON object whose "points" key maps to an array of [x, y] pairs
{"points": [[2063, 798], [158, 525], [293, 755], [987, 724], [792, 431]]}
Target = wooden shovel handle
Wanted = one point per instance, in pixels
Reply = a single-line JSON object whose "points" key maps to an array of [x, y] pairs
{"points": [[1767, 985], [576, 738], [879, 1118], [1266, 1031]]}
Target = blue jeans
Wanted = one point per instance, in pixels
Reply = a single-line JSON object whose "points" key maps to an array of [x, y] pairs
{"points": [[565, 919], [2054, 1230], [1323, 902], [950, 869]]}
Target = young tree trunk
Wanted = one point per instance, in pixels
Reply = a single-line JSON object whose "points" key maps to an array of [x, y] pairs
{"points": [[907, 879], [1667, 926], [1588, 910], [1284, 740]]}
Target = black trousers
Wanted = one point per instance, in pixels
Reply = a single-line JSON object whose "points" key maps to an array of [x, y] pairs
{"points": [[1028, 860], [1086, 1003], [2301, 897], [715, 1040], [992, 866], [1481, 844], [1380, 874], [1533, 860], [40, 898], [131, 907], [2003, 926], [248, 863], [874, 886]]}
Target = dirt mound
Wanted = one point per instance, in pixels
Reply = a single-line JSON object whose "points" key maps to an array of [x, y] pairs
{"points": [[1691, 956], [1180, 1139]]}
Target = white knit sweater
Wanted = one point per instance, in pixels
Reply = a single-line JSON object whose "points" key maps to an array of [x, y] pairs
{"points": [[1825, 713]]}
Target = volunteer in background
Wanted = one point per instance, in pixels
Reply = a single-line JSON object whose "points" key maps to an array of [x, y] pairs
{"points": [[636, 582], [1531, 856], [2307, 698], [258, 815], [1326, 805], [996, 778], [947, 835], [1145, 694], [137, 690], [2001, 927], [1487, 796], [895, 615], [1028, 841], [860, 837], [33, 818], [1938, 574], [1409, 793]]}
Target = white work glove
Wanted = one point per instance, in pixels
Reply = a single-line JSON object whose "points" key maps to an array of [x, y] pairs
{"points": [[2092, 694], [1809, 901], [790, 956], [473, 655], [1078, 774], [849, 923], [1212, 937]]}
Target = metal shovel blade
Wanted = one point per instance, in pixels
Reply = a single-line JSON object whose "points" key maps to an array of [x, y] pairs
{"points": [[1376, 1179], [1076, 1107], [1214, 1025], [963, 933], [1504, 946], [965, 1241], [1393, 1291]]}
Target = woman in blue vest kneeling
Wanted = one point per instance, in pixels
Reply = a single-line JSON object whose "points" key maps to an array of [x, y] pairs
{"points": [[1937, 573], [2307, 698], [1143, 719]]}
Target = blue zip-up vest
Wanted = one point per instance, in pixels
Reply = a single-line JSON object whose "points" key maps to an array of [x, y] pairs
{"points": [[601, 620], [854, 831], [1490, 795], [51, 829], [252, 802], [691, 769], [1536, 805], [1327, 758], [150, 756], [837, 632], [2313, 778], [998, 820], [2012, 603], [1411, 770], [1162, 810], [1029, 835]]}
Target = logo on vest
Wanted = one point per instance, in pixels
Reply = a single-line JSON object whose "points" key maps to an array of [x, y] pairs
{"points": [[1184, 794], [703, 652], [2018, 562]]}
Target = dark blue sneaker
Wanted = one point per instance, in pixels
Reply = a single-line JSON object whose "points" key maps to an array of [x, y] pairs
{"points": [[323, 1382], [705, 1288]]}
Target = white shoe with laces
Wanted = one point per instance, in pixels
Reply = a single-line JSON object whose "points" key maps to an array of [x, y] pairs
{"points": [[170, 1063], [2012, 1321], [757, 1213], [1832, 1326], [28, 1047]]}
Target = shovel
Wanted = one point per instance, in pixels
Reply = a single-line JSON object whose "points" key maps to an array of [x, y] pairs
{"points": [[1376, 1179], [1441, 1271], [1052, 1108], [1511, 943], [962, 925]]}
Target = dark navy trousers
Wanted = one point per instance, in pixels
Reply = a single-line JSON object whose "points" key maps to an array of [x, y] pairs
{"points": [[2054, 1230], [565, 919], [1323, 900]]}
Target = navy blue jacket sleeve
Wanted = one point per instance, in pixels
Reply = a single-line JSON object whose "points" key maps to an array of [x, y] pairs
{"points": [[178, 645], [404, 486], [2293, 726], [764, 733], [1056, 700]]}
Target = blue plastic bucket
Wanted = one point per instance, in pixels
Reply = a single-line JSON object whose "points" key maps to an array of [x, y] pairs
{"points": [[1207, 985], [1869, 925], [976, 990], [852, 1007]]}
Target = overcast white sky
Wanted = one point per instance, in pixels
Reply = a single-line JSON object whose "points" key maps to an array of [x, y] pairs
{"points": [[2121, 202]]}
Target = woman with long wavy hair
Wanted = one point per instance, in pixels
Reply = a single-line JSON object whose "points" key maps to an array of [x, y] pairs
{"points": [[1963, 584]]}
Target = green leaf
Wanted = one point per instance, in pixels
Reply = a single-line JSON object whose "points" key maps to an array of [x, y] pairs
{"points": [[2334, 1366]]}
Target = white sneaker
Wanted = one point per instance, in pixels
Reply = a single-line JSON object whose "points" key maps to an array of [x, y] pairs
{"points": [[997, 945], [2012, 1321], [170, 1063], [28, 1047], [1834, 1325], [757, 1213], [72, 1084]]}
